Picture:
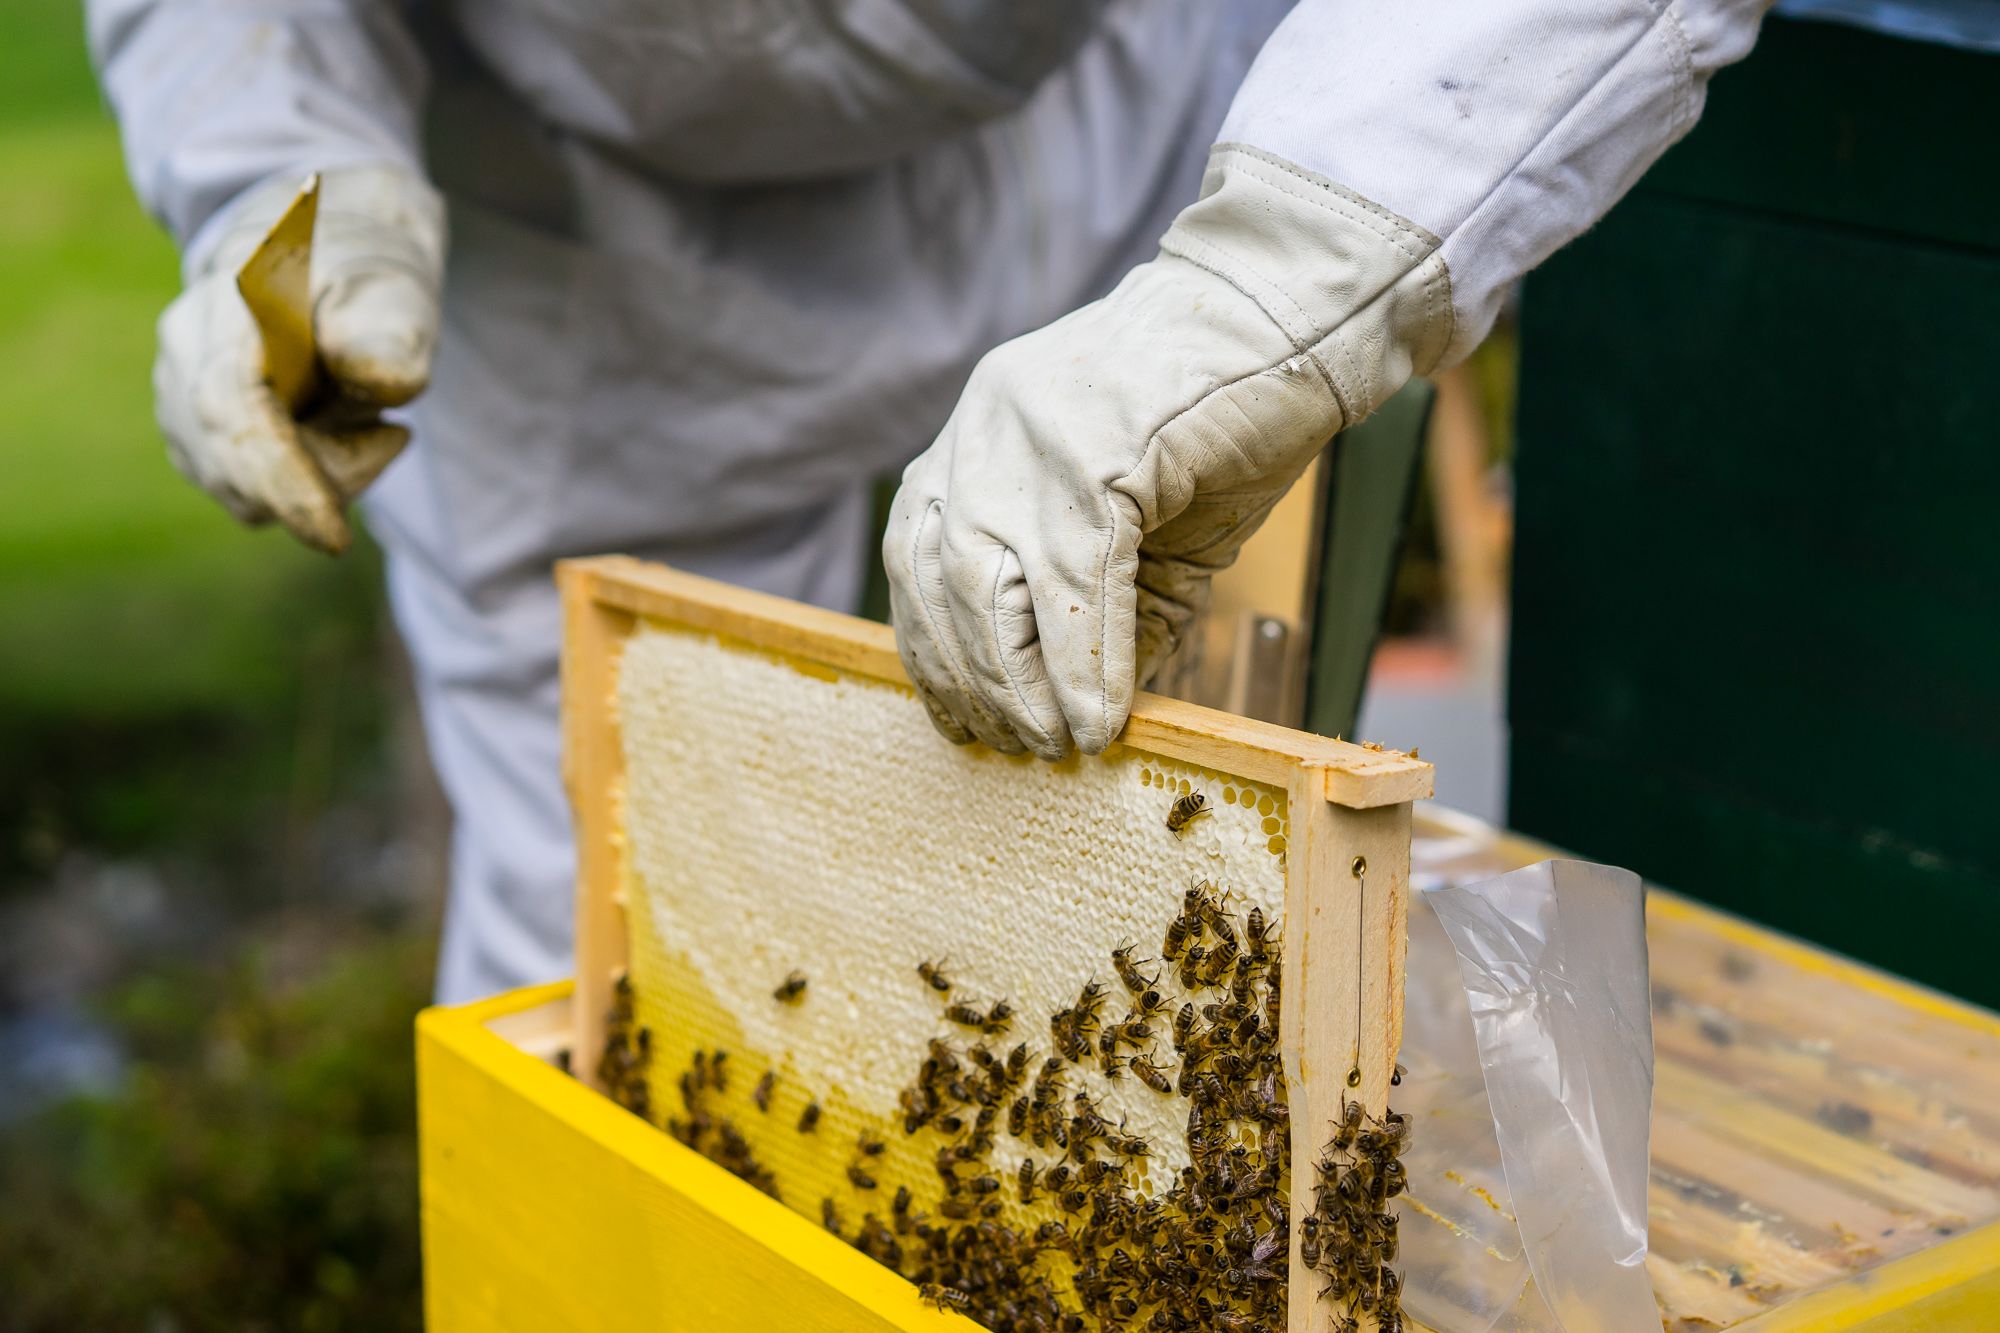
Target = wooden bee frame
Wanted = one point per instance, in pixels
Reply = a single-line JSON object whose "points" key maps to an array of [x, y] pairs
{"points": [[1346, 863]]}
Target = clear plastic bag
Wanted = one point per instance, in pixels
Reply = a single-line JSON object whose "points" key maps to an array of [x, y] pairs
{"points": [[1528, 1043]]}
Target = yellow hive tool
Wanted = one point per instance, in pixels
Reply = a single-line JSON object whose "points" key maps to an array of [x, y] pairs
{"points": [[276, 283]]}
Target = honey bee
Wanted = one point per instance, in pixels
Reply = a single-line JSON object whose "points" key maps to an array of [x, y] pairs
{"points": [[761, 1094], [1183, 1027], [1221, 958], [944, 1298], [997, 1019], [983, 1184], [966, 1015], [1255, 937], [1151, 1074], [859, 1178], [1128, 971], [1017, 1117], [1190, 969], [809, 1118], [1072, 1043], [830, 1214], [917, 1109], [1351, 1118], [718, 1076], [1130, 1032], [1309, 1246], [790, 989], [1186, 810], [933, 975], [1027, 1181], [1017, 1062], [901, 1206], [1176, 939], [870, 1147]]}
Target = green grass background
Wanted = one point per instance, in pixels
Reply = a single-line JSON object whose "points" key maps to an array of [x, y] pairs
{"points": [[123, 591], [211, 705]]}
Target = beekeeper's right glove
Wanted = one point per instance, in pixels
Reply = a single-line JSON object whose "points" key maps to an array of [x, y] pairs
{"points": [[378, 258]]}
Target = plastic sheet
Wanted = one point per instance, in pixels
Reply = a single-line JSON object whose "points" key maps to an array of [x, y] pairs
{"points": [[1528, 1045]]}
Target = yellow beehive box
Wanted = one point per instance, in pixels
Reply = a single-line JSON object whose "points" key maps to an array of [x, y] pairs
{"points": [[548, 1209]]}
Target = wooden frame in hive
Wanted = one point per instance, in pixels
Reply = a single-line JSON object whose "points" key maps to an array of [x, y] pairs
{"points": [[1343, 853]]}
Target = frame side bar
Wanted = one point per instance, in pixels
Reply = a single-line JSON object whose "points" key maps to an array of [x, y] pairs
{"points": [[594, 773], [1345, 941]]}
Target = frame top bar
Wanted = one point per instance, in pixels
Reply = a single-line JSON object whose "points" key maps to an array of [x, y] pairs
{"points": [[1352, 775]]}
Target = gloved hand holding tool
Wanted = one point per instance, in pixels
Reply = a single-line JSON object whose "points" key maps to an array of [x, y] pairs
{"points": [[277, 413]]}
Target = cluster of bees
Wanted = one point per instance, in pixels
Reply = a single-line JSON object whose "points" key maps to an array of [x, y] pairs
{"points": [[624, 1066], [1080, 1235], [710, 1133], [1206, 1250], [1350, 1236]]}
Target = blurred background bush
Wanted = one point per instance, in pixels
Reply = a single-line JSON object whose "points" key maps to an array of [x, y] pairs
{"points": [[219, 853]]}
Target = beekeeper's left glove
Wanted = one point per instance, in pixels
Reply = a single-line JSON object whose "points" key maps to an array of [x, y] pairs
{"points": [[1047, 551], [378, 256]]}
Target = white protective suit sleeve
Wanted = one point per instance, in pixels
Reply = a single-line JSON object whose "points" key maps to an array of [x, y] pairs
{"points": [[1385, 174], [216, 96], [1503, 127], [225, 108]]}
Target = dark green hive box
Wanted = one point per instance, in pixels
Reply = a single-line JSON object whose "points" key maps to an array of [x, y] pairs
{"points": [[1757, 587]]}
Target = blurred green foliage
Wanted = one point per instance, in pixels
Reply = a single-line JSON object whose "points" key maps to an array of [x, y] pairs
{"points": [[256, 1172], [179, 692], [144, 637]]}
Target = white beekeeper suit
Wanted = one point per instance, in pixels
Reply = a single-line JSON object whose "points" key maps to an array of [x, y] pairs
{"points": [[710, 267]]}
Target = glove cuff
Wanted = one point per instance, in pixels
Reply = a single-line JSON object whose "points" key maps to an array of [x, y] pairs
{"points": [[373, 205], [1362, 294]]}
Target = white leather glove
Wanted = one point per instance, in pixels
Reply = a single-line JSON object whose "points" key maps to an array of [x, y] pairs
{"points": [[1047, 551], [378, 257]]}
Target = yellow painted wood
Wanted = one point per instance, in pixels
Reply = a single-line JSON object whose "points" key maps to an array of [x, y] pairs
{"points": [[1760, 1199], [1951, 1287], [547, 1208]]}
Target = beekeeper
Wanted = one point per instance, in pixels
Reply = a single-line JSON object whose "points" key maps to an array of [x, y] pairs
{"points": [[713, 267]]}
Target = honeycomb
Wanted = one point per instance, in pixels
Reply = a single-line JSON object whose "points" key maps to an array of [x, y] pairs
{"points": [[781, 818]]}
